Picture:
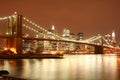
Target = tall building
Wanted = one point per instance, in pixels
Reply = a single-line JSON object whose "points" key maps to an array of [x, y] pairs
{"points": [[80, 36], [53, 30], [53, 27], [51, 44], [72, 36], [113, 36], [66, 33]]}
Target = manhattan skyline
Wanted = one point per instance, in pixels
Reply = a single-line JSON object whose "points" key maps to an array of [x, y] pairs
{"points": [[90, 17]]}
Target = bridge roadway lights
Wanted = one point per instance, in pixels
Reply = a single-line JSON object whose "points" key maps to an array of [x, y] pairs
{"points": [[98, 49]]}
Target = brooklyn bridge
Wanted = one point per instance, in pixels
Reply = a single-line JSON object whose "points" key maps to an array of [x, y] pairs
{"points": [[23, 36]]}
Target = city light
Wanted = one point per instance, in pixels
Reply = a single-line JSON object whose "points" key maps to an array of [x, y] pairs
{"points": [[13, 50], [15, 13]]}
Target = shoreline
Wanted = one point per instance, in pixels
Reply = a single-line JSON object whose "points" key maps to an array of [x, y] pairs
{"points": [[30, 56]]}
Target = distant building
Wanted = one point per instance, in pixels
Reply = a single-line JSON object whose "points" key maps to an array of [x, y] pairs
{"points": [[72, 36], [108, 37], [80, 36], [53, 27], [113, 36], [66, 33], [49, 44], [52, 30], [72, 45]]}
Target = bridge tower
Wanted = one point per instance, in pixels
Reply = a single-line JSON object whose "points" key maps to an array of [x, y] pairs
{"points": [[99, 48], [14, 30]]}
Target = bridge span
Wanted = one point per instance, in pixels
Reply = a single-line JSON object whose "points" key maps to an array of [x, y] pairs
{"points": [[18, 23]]}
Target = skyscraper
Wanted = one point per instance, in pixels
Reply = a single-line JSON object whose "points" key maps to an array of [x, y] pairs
{"points": [[80, 36], [113, 36], [66, 33]]}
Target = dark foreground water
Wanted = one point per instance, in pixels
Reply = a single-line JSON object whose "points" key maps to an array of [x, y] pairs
{"points": [[72, 67]]}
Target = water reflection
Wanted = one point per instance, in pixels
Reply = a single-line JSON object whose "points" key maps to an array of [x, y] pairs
{"points": [[72, 67]]}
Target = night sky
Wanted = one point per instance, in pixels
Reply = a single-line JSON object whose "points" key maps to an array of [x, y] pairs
{"points": [[91, 17]]}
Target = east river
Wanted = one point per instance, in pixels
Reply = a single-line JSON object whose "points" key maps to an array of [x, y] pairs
{"points": [[71, 67]]}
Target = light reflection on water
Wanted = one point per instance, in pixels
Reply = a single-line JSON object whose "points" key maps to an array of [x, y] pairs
{"points": [[72, 67]]}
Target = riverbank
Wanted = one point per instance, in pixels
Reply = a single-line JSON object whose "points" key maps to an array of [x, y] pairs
{"points": [[29, 56]]}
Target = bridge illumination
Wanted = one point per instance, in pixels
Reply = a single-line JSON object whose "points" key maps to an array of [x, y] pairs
{"points": [[46, 35]]}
